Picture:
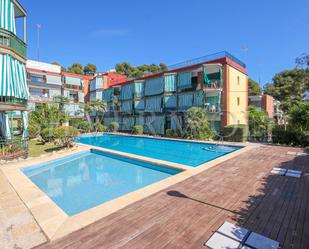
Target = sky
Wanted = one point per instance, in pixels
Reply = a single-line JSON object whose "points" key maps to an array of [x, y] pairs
{"points": [[266, 35]]}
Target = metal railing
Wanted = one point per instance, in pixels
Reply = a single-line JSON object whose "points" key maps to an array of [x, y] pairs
{"points": [[206, 58], [12, 100], [13, 148], [12, 41]]}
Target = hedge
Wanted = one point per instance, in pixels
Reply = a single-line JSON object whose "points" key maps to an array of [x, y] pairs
{"points": [[288, 136], [236, 133]]}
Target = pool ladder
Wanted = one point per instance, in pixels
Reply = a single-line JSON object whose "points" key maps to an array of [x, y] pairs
{"points": [[220, 141]]}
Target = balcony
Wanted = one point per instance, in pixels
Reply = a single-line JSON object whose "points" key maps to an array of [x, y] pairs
{"points": [[10, 41]]}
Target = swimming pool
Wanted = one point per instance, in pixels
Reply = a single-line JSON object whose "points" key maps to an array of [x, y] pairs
{"points": [[84, 180], [182, 152]]}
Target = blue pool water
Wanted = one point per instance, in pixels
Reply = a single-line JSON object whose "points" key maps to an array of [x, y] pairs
{"points": [[187, 153], [84, 180]]}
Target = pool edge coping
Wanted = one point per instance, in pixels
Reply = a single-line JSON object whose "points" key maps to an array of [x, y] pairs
{"points": [[55, 223]]}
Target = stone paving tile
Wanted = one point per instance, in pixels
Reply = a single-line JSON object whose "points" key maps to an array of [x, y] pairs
{"points": [[18, 229]]}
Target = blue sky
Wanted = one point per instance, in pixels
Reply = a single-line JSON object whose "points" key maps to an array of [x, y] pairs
{"points": [[272, 32]]}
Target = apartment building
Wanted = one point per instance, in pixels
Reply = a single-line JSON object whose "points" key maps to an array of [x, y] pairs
{"points": [[218, 83], [264, 103], [13, 86], [103, 81], [46, 81]]}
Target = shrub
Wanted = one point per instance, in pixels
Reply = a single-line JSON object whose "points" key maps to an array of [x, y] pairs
{"points": [[84, 126], [235, 133], [289, 136], [138, 129], [76, 122], [34, 130], [172, 133], [47, 135], [101, 128], [65, 135], [113, 126], [260, 124], [196, 124]]}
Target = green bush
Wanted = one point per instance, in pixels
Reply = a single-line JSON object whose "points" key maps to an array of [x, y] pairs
{"points": [[196, 124], [137, 129], [75, 122], [289, 136], [113, 126], [235, 133], [172, 133], [34, 130], [65, 135], [47, 135], [84, 126], [101, 128]]}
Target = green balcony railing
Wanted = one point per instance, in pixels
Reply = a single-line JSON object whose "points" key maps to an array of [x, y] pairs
{"points": [[10, 40]]}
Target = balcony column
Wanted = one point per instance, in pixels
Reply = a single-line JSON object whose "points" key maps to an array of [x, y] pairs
{"points": [[25, 29]]}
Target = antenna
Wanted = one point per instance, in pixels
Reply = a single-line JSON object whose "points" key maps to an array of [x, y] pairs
{"points": [[38, 41]]}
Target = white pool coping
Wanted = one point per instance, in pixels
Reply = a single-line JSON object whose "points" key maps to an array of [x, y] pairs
{"points": [[55, 223]]}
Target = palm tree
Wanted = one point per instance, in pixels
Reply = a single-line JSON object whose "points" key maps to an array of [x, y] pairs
{"points": [[61, 101], [96, 106]]}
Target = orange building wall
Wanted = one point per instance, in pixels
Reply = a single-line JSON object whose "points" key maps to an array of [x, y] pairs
{"points": [[268, 105], [235, 86]]}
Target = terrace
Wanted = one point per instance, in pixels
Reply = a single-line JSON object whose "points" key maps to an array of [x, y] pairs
{"points": [[184, 215]]}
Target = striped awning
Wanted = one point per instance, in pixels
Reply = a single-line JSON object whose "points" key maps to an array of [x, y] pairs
{"points": [[7, 15], [13, 81]]}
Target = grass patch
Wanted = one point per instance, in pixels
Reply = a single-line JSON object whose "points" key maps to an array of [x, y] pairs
{"points": [[37, 148]]}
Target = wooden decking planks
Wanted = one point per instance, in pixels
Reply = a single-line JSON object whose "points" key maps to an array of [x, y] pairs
{"points": [[240, 190]]}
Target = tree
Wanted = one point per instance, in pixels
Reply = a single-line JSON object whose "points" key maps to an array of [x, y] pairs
{"points": [[63, 69], [196, 124], [302, 61], [76, 68], [288, 86], [61, 101], [254, 88], [139, 71], [90, 69], [98, 106], [259, 123], [45, 116], [299, 116], [163, 67], [124, 68]]}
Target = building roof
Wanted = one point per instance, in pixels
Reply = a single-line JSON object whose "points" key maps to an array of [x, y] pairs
{"points": [[221, 57]]}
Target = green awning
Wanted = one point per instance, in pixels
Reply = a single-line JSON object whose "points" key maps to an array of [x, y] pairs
{"points": [[206, 80], [7, 16], [5, 126], [13, 82]]}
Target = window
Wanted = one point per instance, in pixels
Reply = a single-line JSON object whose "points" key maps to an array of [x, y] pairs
{"points": [[238, 101], [37, 78], [73, 96], [39, 92], [238, 80]]}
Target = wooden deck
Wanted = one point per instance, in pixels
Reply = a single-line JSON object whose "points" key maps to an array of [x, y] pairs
{"points": [[240, 190]]}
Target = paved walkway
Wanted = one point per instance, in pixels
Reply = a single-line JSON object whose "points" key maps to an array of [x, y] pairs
{"points": [[240, 190], [18, 229]]}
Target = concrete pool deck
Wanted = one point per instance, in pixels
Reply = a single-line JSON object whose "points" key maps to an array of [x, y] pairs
{"points": [[55, 223]]}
